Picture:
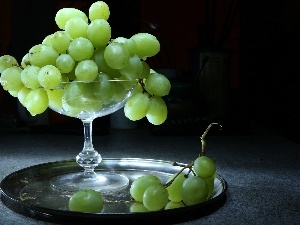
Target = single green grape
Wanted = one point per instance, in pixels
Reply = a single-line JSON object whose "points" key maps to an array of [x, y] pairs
{"points": [[175, 188], [116, 55], [29, 77], [99, 10], [147, 45], [11, 79], [22, 94], [86, 71], [155, 197], [194, 190], [174, 205], [157, 84], [137, 106], [86, 200], [204, 167], [41, 55], [158, 111], [65, 63], [137, 207], [60, 41], [99, 33], [139, 186], [210, 183], [7, 61], [49, 77], [36, 101], [76, 27], [81, 49]]}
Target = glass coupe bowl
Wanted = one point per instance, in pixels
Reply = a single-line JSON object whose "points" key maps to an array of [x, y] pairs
{"points": [[89, 158]]}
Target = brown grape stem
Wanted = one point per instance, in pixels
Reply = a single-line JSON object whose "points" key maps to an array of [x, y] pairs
{"points": [[203, 141]]}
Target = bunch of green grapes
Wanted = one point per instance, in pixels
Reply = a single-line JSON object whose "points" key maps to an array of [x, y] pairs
{"points": [[73, 68], [191, 185]]}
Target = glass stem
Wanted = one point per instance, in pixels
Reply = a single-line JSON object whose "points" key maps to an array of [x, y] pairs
{"points": [[88, 158]]}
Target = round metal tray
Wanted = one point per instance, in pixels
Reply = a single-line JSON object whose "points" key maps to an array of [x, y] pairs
{"points": [[28, 192]]}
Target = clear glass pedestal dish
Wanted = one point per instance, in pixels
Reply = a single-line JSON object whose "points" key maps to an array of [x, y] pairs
{"points": [[88, 158]]}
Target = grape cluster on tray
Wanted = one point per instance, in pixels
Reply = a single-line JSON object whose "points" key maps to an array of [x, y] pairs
{"points": [[81, 67]]}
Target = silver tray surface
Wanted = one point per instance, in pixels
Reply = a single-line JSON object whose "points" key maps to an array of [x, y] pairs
{"points": [[28, 192]]}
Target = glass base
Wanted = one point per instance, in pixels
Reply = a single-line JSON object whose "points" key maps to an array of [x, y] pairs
{"points": [[104, 181]]}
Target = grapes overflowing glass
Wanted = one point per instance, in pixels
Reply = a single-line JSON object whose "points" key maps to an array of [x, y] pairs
{"points": [[81, 71]]}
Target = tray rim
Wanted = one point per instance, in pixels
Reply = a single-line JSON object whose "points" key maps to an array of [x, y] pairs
{"points": [[66, 217]]}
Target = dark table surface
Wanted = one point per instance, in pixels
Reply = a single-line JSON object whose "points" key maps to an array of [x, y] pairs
{"points": [[261, 167]]}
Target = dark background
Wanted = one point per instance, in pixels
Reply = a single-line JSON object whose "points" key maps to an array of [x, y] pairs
{"points": [[261, 38]]}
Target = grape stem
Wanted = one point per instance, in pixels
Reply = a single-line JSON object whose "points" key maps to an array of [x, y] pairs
{"points": [[141, 82], [190, 166], [203, 141]]}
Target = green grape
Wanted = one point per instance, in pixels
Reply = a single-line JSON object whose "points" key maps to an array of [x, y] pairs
{"points": [[41, 55], [86, 200], [29, 77], [157, 84], [210, 183], [136, 207], [11, 79], [48, 40], [86, 71], [49, 77], [99, 33], [81, 96], [98, 57], [99, 10], [25, 61], [194, 190], [81, 49], [55, 98], [22, 94], [133, 69], [175, 188], [129, 44], [76, 27], [204, 166], [13, 93], [158, 111], [139, 186], [116, 55], [104, 88], [71, 111], [146, 45], [146, 70], [137, 106], [119, 91], [174, 205], [36, 101], [60, 41], [155, 197], [64, 14], [65, 63], [7, 61]]}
